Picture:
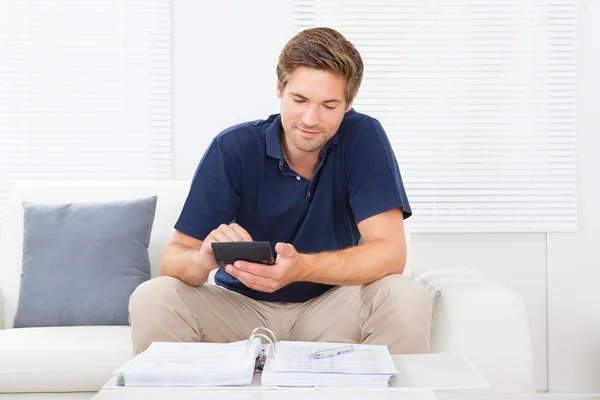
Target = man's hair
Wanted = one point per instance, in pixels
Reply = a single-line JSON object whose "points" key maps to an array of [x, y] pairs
{"points": [[324, 49]]}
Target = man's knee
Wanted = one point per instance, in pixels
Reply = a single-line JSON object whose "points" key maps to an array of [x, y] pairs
{"points": [[154, 293], [403, 293], [157, 313], [404, 307]]}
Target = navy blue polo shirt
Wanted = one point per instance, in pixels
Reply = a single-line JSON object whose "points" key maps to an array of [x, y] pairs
{"points": [[244, 178]]}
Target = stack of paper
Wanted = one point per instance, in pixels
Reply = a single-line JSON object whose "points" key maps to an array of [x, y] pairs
{"points": [[367, 366], [192, 364]]}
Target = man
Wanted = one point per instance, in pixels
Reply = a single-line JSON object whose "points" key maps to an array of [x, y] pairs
{"points": [[313, 181]]}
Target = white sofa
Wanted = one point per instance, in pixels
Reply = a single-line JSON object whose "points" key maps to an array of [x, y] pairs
{"points": [[473, 314]]}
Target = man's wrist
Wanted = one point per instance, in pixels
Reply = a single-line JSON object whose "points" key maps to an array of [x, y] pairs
{"points": [[304, 266]]}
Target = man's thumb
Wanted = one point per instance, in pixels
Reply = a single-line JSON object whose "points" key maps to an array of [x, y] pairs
{"points": [[285, 249]]}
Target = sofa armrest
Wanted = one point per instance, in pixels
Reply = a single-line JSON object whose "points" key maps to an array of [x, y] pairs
{"points": [[1, 312], [487, 323]]}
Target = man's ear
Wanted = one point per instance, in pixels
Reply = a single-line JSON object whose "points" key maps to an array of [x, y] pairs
{"points": [[349, 106], [279, 94]]}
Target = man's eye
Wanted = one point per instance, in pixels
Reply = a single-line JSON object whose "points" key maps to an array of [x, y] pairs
{"points": [[329, 107], [299, 101]]}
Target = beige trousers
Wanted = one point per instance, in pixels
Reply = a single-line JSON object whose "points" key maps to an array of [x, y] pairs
{"points": [[395, 311]]}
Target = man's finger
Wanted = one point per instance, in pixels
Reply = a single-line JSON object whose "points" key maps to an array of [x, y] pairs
{"points": [[251, 280], [242, 232], [266, 271], [231, 233], [216, 236], [258, 287]]}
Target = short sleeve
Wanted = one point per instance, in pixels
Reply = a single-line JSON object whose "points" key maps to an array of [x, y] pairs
{"points": [[374, 180], [213, 198]]}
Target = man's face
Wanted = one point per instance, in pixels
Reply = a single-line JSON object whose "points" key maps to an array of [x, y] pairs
{"points": [[312, 107]]}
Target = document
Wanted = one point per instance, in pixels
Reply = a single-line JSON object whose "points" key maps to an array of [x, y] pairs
{"points": [[291, 364], [365, 359], [192, 364], [368, 366]]}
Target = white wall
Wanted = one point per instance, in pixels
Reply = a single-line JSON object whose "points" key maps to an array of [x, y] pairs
{"points": [[224, 60], [224, 72]]}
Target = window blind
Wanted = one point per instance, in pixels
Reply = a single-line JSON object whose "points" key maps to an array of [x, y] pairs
{"points": [[478, 99], [84, 90]]}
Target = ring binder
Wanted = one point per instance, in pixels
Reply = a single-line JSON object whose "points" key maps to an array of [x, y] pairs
{"points": [[262, 358], [218, 364], [272, 339]]}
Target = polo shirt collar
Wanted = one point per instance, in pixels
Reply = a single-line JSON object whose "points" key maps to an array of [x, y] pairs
{"points": [[272, 137], [274, 142]]}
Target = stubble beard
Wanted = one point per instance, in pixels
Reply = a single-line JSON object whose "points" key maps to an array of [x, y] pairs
{"points": [[306, 146]]}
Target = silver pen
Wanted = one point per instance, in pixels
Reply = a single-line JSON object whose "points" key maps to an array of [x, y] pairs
{"points": [[332, 352]]}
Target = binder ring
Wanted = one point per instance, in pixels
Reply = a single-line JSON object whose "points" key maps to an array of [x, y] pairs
{"points": [[270, 332], [270, 338], [262, 336]]}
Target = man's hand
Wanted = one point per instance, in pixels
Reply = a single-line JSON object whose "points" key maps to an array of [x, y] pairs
{"points": [[269, 278], [224, 233]]}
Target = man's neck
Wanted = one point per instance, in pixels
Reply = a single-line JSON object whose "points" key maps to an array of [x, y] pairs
{"points": [[299, 161]]}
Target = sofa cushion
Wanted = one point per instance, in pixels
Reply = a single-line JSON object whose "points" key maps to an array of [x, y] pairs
{"points": [[171, 197], [61, 359], [82, 261]]}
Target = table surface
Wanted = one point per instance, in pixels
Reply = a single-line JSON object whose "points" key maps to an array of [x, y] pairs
{"points": [[264, 394], [258, 392]]}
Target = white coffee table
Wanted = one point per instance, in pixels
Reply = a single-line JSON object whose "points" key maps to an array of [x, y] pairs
{"points": [[257, 392], [264, 394]]}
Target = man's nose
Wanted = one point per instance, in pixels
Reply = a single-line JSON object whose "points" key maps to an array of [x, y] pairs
{"points": [[311, 117]]}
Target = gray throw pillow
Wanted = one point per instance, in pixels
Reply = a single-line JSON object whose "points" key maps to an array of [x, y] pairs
{"points": [[82, 261]]}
